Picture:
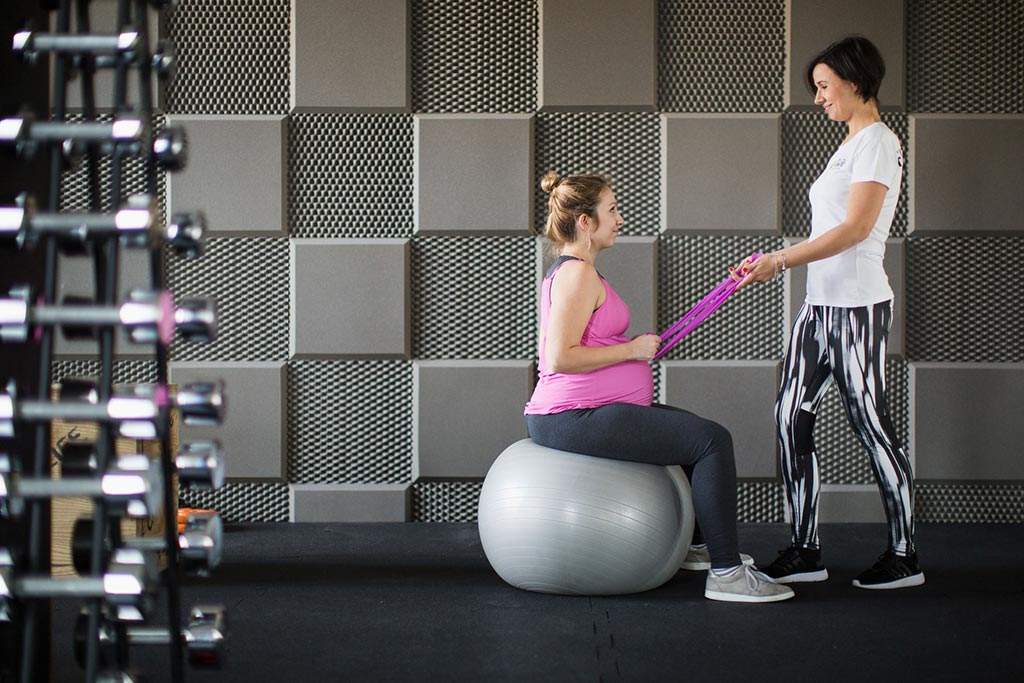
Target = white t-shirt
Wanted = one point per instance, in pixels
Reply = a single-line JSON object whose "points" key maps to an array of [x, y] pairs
{"points": [[855, 277]]}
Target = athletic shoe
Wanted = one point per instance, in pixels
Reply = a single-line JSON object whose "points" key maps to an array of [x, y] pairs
{"points": [[745, 584], [699, 559], [891, 571], [796, 565]]}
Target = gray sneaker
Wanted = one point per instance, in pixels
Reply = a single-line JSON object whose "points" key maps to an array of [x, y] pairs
{"points": [[745, 584], [698, 559]]}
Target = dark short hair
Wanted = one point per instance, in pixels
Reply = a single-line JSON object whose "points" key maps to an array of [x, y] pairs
{"points": [[854, 59]]}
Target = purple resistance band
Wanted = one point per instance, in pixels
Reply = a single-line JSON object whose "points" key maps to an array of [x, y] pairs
{"points": [[699, 313]]}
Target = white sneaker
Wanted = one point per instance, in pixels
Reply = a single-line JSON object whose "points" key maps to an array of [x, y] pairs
{"points": [[698, 559], [745, 584]]}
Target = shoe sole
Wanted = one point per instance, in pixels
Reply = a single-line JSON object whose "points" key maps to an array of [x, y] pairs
{"points": [[906, 582], [803, 577], [704, 566], [735, 597]]}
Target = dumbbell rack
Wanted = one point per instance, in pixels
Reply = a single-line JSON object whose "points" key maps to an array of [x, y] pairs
{"points": [[123, 52]]}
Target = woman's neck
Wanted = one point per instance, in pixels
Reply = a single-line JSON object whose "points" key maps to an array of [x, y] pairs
{"points": [[862, 118], [577, 252]]}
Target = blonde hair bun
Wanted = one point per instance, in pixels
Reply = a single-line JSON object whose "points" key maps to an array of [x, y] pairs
{"points": [[550, 181]]}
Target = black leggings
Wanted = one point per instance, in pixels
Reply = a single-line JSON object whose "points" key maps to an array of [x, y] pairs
{"points": [[658, 435]]}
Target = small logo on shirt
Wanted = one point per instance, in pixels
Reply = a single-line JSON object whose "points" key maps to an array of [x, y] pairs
{"points": [[839, 163], [899, 160]]}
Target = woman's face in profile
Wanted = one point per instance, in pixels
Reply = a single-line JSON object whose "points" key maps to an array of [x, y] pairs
{"points": [[609, 220], [837, 97]]}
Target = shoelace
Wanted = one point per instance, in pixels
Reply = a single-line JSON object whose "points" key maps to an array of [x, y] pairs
{"points": [[753, 580]]}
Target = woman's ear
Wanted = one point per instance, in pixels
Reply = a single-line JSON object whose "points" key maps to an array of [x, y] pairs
{"points": [[583, 222]]}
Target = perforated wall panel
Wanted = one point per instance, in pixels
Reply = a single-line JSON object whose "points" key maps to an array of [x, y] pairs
{"points": [[249, 280], [125, 371], [808, 141], [474, 297], [445, 501], [721, 56], [759, 501], [841, 457], [747, 327], [960, 55], [961, 306], [350, 422], [75, 181], [239, 502], [973, 503], [232, 57], [350, 175], [623, 145], [474, 57]]}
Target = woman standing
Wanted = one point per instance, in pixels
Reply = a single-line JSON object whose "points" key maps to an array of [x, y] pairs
{"points": [[595, 388], [841, 331]]}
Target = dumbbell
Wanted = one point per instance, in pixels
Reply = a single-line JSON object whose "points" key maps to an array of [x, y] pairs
{"points": [[165, 59], [126, 133], [147, 316], [135, 409], [199, 547], [132, 485], [200, 464], [128, 585], [123, 46], [203, 637]]}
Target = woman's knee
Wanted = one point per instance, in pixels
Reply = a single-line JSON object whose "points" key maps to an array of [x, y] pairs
{"points": [[719, 438]]}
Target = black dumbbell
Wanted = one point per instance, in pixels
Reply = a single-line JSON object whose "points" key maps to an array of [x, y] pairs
{"points": [[129, 585], [123, 46], [185, 233], [203, 637], [135, 409], [147, 317], [132, 485], [200, 464], [200, 545]]}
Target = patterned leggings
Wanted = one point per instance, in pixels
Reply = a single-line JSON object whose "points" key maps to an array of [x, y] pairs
{"points": [[845, 346]]}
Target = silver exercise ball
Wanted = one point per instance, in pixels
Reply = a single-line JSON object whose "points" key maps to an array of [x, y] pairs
{"points": [[558, 522]]}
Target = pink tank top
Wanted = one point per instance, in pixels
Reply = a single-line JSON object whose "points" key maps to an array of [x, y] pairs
{"points": [[626, 382]]}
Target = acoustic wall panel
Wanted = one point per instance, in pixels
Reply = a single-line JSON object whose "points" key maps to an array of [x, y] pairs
{"points": [[747, 327], [726, 57], [350, 422], [474, 57], [350, 54], [445, 501], [808, 141], [981, 190], [240, 502], [960, 53], [474, 298], [577, 35], [232, 57], [473, 173], [236, 173], [350, 175], [961, 306], [124, 371], [349, 298], [965, 502], [720, 174], [248, 278], [352, 503], [622, 145]]}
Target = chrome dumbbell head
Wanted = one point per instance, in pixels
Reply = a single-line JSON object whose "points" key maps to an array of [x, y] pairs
{"points": [[200, 464], [6, 584], [170, 148], [10, 505], [185, 233], [79, 459], [148, 317], [196, 320], [201, 403], [7, 398], [15, 220], [205, 636], [165, 59], [14, 310], [135, 485], [201, 544]]}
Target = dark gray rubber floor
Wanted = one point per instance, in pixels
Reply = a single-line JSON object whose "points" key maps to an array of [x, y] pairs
{"points": [[418, 602]]}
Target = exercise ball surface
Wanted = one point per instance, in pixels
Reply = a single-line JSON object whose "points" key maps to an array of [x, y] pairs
{"points": [[558, 522]]}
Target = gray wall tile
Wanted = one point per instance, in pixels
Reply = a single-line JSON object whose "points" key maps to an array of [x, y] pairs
{"points": [[349, 502], [980, 190], [473, 173], [812, 26], [739, 395], [598, 55], [350, 298], [235, 173], [720, 173], [850, 504], [253, 433], [966, 421], [350, 54], [466, 414]]}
